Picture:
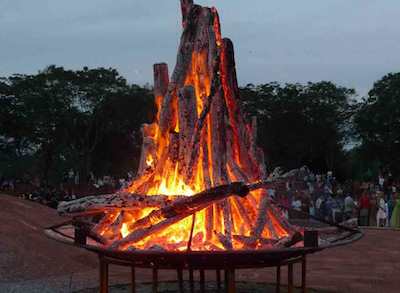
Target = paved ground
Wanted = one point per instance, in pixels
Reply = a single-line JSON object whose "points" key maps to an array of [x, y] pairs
{"points": [[30, 262]]}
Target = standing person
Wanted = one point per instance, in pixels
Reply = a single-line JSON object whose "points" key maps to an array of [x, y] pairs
{"points": [[390, 206], [395, 220], [349, 206], [71, 178], [318, 206], [381, 216], [364, 209], [381, 181]]}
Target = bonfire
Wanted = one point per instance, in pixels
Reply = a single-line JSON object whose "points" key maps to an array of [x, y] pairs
{"points": [[201, 183]]}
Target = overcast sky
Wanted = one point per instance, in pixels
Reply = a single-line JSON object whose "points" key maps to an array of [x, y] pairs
{"points": [[351, 42]]}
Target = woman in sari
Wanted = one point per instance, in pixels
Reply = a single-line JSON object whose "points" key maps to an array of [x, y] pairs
{"points": [[395, 220]]}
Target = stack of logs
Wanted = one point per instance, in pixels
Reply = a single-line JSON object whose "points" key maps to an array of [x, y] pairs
{"points": [[109, 210], [199, 122], [201, 137]]}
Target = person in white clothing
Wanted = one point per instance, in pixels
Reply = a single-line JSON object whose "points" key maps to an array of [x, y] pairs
{"points": [[381, 216]]}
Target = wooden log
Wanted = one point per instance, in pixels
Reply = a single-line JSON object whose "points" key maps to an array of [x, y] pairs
{"points": [[256, 154], [108, 219], [227, 214], [207, 183], [187, 121], [164, 217], [161, 79], [168, 113], [209, 222], [186, 6], [87, 229], [193, 155], [148, 156], [240, 137], [252, 242], [243, 213], [198, 36], [290, 240], [282, 220], [270, 225], [223, 239], [173, 148], [205, 160], [218, 136], [261, 217], [113, 231], [114, 201]]}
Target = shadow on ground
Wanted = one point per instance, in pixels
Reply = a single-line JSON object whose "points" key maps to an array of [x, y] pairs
{"points": [[211, 287]]}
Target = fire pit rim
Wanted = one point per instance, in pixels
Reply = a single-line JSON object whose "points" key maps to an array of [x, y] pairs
{"points": [[54, 234]]}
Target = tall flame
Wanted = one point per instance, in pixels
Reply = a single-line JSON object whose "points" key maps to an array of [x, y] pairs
{"points": [[166, 179]]}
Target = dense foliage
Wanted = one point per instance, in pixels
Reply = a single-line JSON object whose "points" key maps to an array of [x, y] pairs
{"points": [[378, 125], [59, 119], [90, 120], [302, 124]]}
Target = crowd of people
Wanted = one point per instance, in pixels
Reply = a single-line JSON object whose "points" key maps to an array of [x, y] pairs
{"points": [[70, 188], [322, 197]]}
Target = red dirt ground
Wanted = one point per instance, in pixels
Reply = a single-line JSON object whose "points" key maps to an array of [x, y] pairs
{"points": [[26, 254]]}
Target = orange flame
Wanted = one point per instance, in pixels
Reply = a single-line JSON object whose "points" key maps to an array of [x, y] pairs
{"points": [[168, 180]]}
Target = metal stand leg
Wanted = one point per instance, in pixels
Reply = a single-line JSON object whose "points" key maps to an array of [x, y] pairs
{"points": [[103, 275], [278, 279], [133, 279], [304, 274], [180, 280], [230, 281], [191, 280], [218, 273], [290, 278], [155, 280], [202, 281]]}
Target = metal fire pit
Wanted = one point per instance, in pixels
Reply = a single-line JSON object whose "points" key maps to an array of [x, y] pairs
{"points": [[218, 261]]}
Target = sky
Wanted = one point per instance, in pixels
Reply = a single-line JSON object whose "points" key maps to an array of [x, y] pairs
{"points": [[350, 42]]}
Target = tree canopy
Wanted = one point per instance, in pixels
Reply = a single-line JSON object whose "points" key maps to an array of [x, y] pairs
{"points": [[90, 119], [63, 119], [302, 124], [378, 124]]}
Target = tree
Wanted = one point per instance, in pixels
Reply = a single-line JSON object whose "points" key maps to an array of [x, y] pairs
{"points": [[61, 119], [34, 109], [301, 124], [378, 124]]}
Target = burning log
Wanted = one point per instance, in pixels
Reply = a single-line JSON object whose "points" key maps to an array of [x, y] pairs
{"points": [[168, 112], [243, 213], [187, 120], [173, 149], [149, 152], [227, 212], [240, 138], [209, 222], [186, 5], [161, 80], [270, 226], [225, 241], [196, 137], [113, 201], [87, 229], [262, 217], [253, 242], [164, 217], [218, 134], [255, 153], [291, 240]]}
